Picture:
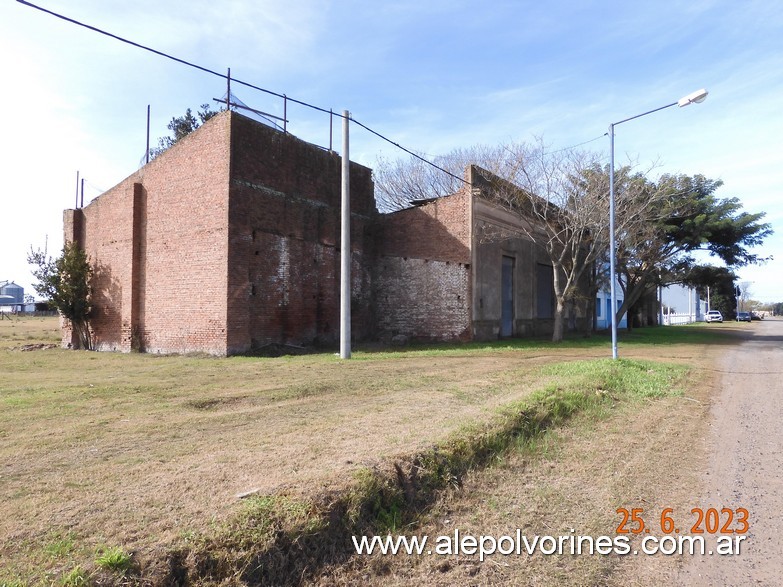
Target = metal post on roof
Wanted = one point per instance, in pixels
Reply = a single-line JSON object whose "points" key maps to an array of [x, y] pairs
{"points": [[76, 205], [285, 114], [148, 134], [228, 90], [345, 247]]}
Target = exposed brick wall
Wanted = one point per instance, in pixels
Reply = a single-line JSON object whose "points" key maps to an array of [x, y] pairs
{"points": [[165, 289], [105, 230], [186, 248], [230, 240], [423, 299], [284, 217], [423, 276], [438, 230]]}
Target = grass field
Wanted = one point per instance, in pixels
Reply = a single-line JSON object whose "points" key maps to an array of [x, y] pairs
{"points": [[111, 462]]}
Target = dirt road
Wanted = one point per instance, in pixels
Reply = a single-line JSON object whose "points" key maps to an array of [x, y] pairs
{"points": [[746, 460]]}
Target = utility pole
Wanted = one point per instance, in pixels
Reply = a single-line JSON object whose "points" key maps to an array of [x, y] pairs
{"points": [[345, 247]]}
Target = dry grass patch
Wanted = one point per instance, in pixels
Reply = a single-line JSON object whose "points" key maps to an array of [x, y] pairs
{"points": [[148, 453], [627, 453], [16, 331]]}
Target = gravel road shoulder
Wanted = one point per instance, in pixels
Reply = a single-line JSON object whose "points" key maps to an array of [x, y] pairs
{"points": [[745, 460]]}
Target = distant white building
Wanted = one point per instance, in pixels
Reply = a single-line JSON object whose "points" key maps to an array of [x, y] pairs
{"points": [[680, 305], [603, 309]]}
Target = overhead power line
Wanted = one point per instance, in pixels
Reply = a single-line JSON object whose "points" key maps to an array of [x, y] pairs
{"points": [[225, 77], [253, 86], [168, 56], [380, 136]]}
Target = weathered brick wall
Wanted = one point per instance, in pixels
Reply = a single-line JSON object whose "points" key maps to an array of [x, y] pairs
{"points": [[230, 240], [104, 230], [159, 243], [422, 281], [184, 247], [423, 299], [284, 217], [438, 230]]}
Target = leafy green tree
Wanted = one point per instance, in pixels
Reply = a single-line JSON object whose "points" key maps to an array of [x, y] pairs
{"points": [[561, 198], [682, 215], [66, 283], [720, 281], [182, 126]]}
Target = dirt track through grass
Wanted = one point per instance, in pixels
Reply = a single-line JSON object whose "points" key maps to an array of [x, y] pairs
{"points": [[140, 450]]}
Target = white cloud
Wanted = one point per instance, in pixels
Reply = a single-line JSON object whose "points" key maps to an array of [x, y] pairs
{"points": [[433, 76]]}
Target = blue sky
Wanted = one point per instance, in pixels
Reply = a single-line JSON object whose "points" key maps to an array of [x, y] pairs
{"points": [[431, 75]]}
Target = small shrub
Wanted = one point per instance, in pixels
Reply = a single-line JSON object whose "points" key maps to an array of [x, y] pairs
{"points": [[113, 558]]}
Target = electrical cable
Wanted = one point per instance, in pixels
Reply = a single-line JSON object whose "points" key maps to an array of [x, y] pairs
{"points": [[173, 58], [380, 136], [260, 89]]}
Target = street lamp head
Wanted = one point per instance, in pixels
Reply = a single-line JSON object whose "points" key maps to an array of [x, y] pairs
{"points": [[696, 97]]}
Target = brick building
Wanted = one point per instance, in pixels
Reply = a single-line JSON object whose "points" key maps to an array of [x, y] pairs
{"points": [[460, 267], [230, 240]]}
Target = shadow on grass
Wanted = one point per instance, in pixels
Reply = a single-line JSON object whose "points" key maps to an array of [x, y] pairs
{"points": [[650, 336], [699, 333]]}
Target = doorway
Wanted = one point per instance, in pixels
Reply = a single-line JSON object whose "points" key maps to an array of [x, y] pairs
{"points": [[507, 297]]}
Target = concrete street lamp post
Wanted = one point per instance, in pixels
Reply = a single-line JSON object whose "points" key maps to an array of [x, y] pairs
{"points": [[693, 98]]}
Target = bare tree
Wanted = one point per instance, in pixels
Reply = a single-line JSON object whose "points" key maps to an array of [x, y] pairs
{"points": [[562, 195], [401, 182]]}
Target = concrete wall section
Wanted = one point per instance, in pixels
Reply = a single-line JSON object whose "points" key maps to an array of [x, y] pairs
{"points": [[499, 233]]}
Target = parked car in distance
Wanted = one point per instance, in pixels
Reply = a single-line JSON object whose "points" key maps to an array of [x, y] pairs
{"points": [[755, 316], [713, 316], [743, 316]]}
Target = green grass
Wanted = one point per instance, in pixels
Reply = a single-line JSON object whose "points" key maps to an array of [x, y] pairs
{"points": [[695, 334], [89, 426], [382, 500], [114, 558], [641, 379], [76, 577], [61, 544]]}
